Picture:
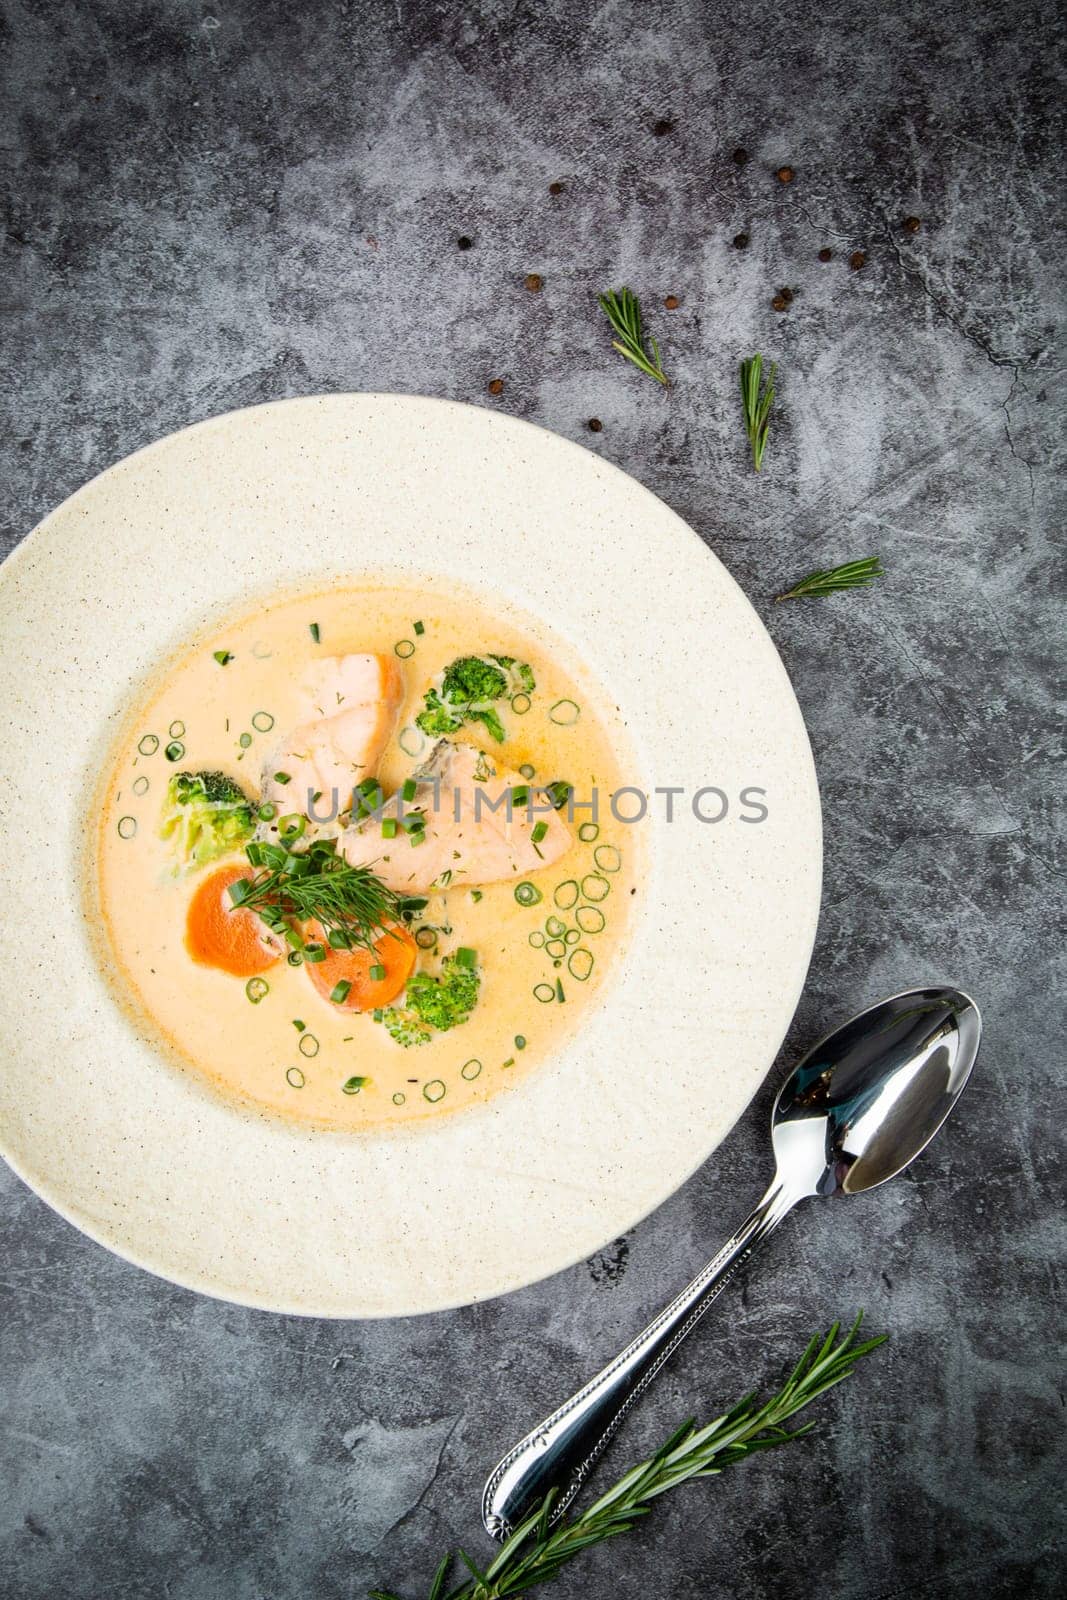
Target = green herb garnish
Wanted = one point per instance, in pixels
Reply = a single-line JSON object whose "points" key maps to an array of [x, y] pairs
{"points": [[223, 657], [543, 1544], [623, 310], [853, 575], [756, 406], [351, 904]]}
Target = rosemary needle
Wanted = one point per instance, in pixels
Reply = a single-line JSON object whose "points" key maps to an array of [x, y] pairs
{"points": [[757, 406], [853, 575], [538, 1550], [623, 310]]}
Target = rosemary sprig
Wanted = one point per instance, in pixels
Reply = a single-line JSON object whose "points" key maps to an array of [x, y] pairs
{"points": [[623, 310], [352, 904], [757, 406], [853, 575], [536, 1553]]}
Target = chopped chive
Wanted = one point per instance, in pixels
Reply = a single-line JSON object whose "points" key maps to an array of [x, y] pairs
{"points": [[283, 777], [607, 858], [314, 953], [594, 887], [313, 629], [377, 973], [256, 989], [555, 927], [417, 835], [140, 785], [556, 948], [245, 740], [292, 826], [418, 628], [434, 1090], [410, 789], [588, 832], [520, 704], [404, 648], [426, 938], [470, 1069], [127, 827], [399, 1097], [267, 812], [571, 936], [389, 828], [411, 740], [340, 992], [309, 1045], [520, 1042], [177, 730], [174, 751], [262, 721], [465, 957], [580, 964], [566, 894], [564, 713], [544, 992], [560, 996], [148, 744], [354, 1085], [298, 1025], [559, 793], [520, 795], [527, 770], [537, 939], [476, 895], [510, 1062], [295, 1078], [539, 831], [527, 894], [590, 919], [223, 657], [295, 958]]}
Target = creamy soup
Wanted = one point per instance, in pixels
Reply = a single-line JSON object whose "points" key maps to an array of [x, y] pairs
{"points": [[403, 952]]}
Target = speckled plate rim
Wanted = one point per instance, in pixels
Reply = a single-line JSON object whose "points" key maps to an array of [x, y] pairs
{"points": [[238, 1205]]}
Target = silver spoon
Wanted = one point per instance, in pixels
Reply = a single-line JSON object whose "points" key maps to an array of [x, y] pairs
{"points": [[859, 1107]]}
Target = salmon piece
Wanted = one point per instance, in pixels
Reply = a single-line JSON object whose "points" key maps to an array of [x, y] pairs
{"points": [[463, 836], [351, 703]]}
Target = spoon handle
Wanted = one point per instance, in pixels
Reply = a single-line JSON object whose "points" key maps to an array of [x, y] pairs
{"points": [[561, 1450]]}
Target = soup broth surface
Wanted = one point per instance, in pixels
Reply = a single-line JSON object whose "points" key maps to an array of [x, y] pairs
{"points": [[290, 1051]]}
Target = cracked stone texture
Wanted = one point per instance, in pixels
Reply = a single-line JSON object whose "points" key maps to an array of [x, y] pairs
{"points": [[211, 205]]}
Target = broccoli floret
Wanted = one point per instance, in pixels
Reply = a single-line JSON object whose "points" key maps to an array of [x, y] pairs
{"points": [[434, 1004], [469, 687], [206, 815]]}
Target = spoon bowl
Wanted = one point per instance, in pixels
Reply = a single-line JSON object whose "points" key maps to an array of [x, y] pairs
{"points": [[857, 1110], [869, 1097]]}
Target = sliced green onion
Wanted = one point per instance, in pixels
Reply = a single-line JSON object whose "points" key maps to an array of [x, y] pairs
{"points": [[559, 793], [283, 777], [580, 964], [409, 789], [539, 831], [412, 741], [174, 750], [418, 628], [313, 629], [510, 1062], [262, 721], [148, 745], [377, 973], [589, 919], [556, 949], [314, 953], [354, 1085], [476, 895], [555, 927], [528, 894], [295, 1078], [465, 957], [560, 996], [544, 992], [588, 832], [404, 648], [520, 704], [571, 936], [295, 958], [245, 740], [388, 827], [537, 939], [140, 785], [470, 1069], [257, 989], [399, 1098], [520, 1041], [426, 938], [260, 651], [267, 812], [434, 1090], [607, 858], [417, 835], [564, 713], [298, 1025], [127, 827], [566, 894], [340, 992], [292, 826], [223, 657], [177, 730], [308, 1045], [520, 795], [527, 770], [594, 887]]}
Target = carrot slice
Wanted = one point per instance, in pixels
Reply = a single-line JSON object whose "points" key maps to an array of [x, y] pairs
{"points": [[217, 935], [395, 952]]}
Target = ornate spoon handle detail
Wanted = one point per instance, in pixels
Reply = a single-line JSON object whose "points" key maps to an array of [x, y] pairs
{"points": [[561, 1450]]}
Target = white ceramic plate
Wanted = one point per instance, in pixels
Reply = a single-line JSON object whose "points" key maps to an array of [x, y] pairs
{"points": [[150, 1163]]}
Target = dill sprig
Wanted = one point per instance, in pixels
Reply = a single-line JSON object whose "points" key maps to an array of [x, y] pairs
{"points": [[537, 1551], [757, 406], [623, 310], [853, 575], [351, 904]]}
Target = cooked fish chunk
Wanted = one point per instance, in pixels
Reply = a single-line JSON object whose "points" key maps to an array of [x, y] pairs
{"points": [[462, 794], [351, 703]]}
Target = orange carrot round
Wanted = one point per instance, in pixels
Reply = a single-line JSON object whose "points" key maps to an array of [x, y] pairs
{"points": [[394, 953], [218, 935]]}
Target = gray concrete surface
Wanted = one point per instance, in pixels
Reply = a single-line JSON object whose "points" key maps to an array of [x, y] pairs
{"points": [[208, 205]]}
